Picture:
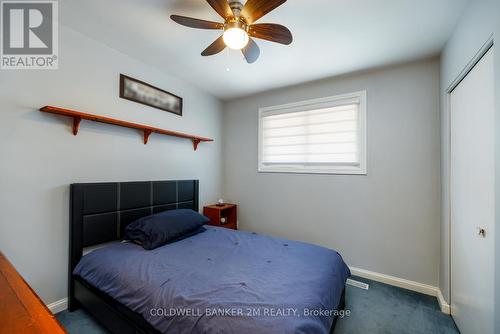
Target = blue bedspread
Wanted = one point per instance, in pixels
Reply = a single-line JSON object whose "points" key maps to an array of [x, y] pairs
{"points": [[223, 281]]}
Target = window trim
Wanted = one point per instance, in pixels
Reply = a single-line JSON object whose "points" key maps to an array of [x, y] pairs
{"points": [[331, 101]]}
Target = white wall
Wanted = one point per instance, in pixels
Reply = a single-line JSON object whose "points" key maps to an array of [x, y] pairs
{"points": [[481, 20], [387, 221], [40, 157]]}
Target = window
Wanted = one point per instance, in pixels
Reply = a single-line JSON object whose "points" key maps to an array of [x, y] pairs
{"points": [[319, 136]]}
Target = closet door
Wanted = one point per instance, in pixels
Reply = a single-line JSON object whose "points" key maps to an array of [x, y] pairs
{"points": [[472, 199]]}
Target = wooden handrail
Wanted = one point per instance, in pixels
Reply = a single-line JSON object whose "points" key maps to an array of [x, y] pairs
{"points": [[148, 130]]}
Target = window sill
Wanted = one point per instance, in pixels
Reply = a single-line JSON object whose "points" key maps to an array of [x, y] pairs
{"points": [[307, 170]]}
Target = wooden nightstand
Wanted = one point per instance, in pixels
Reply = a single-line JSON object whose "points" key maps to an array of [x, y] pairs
{"points": [[227, 211]]}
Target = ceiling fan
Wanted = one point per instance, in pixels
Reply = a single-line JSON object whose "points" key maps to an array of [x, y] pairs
{"points": [[239, 26]]}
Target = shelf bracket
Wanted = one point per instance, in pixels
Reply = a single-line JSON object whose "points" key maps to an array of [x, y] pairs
{"points": [[76, 125], [147, 133], [196, 142]]}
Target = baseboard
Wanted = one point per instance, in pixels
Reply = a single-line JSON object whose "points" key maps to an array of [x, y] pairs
{"points": [[445, 307], [405, 284], [58, 306]]}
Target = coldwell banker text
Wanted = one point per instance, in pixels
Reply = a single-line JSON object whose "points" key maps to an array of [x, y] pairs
{"points": [[29, 34], [248, 312]]}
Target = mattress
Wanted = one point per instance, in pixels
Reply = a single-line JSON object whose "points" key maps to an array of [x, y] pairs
{"points": [[223, 281]]}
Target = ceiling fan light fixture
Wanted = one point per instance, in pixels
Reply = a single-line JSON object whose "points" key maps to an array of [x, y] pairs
{"points": [[236, 38], [239, 27]]}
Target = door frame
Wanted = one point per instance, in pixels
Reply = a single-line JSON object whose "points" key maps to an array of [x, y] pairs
{"points": [[461, 76]]}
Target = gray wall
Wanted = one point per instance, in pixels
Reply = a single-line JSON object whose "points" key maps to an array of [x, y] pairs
{"points": [[40, 157], [387, 221], [481, 19]]}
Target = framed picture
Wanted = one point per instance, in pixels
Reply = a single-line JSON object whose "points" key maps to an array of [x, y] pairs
{"points": [[141, 92]]}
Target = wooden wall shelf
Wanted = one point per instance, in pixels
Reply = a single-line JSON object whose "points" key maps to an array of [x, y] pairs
{"points": [[148, 130]]}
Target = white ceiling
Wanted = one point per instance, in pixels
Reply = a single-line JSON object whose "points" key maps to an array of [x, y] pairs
{"points": [[331, 37]]}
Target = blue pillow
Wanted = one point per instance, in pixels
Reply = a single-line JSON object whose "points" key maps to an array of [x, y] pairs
{"points": [[165, 227]]}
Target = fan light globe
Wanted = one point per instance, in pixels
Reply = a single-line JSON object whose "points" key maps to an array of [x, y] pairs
{"points": [[236, 38]]}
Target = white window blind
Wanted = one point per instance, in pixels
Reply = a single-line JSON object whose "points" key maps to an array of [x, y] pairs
{"points": [[321, 136]]}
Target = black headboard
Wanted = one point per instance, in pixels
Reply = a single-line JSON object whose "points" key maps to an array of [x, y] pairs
{"points": [[99, 212]]}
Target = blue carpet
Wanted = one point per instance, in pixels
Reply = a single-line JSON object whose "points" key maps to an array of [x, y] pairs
{"points": [[382, 309], [79, 322]]}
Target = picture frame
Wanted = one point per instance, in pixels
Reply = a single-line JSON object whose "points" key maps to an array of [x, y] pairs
{"points": [[141, 92]]}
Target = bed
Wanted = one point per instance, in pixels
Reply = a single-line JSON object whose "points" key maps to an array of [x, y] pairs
{"points": [[218, 281]]}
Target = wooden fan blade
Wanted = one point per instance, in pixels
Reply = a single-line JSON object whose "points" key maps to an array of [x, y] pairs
{"points": [[215, 47], [221, 7], [251, 51], [255, 9], [196, 23], [271, 32]]}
